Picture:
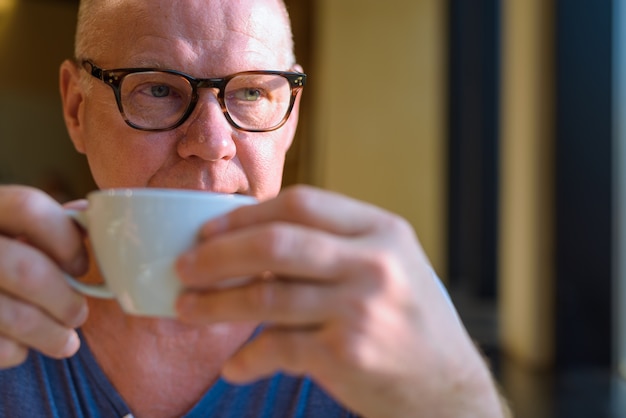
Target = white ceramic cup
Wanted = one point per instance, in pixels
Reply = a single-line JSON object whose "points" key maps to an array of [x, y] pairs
{"points": [[136, 236]]}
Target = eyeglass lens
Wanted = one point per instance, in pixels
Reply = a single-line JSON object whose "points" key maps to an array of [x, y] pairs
{"points": [[158, 100]]}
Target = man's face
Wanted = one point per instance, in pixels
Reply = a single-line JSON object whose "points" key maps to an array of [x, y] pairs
{"points": [[203, 38]]}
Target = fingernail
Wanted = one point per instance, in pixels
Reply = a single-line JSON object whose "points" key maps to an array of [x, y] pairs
{"points": [[71, 345], [81, 315]]}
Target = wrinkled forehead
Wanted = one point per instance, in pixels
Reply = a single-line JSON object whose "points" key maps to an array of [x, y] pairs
{"points": [[187, 31]]}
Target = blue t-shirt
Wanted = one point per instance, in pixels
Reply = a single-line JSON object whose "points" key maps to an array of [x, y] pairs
{"points": [[43, 387]]}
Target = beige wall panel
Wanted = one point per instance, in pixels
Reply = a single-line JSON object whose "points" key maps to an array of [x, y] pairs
{"points": [[526, 242], [379, 117]]}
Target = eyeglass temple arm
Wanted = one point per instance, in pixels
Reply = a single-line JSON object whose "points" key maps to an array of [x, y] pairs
{"points": [[92, 69]]}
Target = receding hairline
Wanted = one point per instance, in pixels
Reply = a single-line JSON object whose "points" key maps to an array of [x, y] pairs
{"points": [[88, 31]]}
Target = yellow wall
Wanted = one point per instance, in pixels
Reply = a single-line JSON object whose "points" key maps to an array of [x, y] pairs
{"points": [[379, 113]]}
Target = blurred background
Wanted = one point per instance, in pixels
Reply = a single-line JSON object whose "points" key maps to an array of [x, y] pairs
{"points": [[494, 126]]}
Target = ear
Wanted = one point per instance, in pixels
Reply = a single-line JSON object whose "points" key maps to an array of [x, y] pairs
{"points": [[73, 100]]}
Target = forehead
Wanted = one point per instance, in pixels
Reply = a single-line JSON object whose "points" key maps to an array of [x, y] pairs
{"points": [[212, 36]]}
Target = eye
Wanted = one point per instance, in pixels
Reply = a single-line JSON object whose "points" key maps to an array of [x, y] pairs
{"points": [[160, 90], [249, 94]]}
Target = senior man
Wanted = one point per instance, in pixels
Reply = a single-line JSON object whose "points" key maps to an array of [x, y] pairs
{"points": [[173, 94]]}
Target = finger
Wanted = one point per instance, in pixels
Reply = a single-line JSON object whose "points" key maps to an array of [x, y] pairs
{"points": [[80, 204], [275, 349], [11, 353], [304, 205], [41, 221], [276, 301], [30, 327], [284, 249], [29, 275]]}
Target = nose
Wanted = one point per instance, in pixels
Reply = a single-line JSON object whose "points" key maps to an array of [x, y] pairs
{"points": [[207, 135]]}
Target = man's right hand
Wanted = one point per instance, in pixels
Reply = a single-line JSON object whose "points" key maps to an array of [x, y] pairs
{"points": [[39, 243]]}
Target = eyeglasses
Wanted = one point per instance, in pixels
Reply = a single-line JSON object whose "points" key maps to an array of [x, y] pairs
{"points": [[160, 100]]}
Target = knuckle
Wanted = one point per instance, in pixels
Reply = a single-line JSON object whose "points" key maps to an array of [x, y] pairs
{"points": [[386, 281], [396, 224], [356, 309], [34, 278], [276, 242], [352, 349], [28, 276], [28, 203], [17, 318], [300, 199], [378, 265], [32, 216]]}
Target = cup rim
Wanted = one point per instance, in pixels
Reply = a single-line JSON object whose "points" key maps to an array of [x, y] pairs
{"points": [[160, 192]]}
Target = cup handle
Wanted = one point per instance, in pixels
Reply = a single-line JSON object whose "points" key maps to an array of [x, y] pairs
{"points": [[95, 290]]}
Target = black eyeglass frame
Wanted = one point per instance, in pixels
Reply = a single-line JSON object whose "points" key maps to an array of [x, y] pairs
{"points": [[114, 78]]}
